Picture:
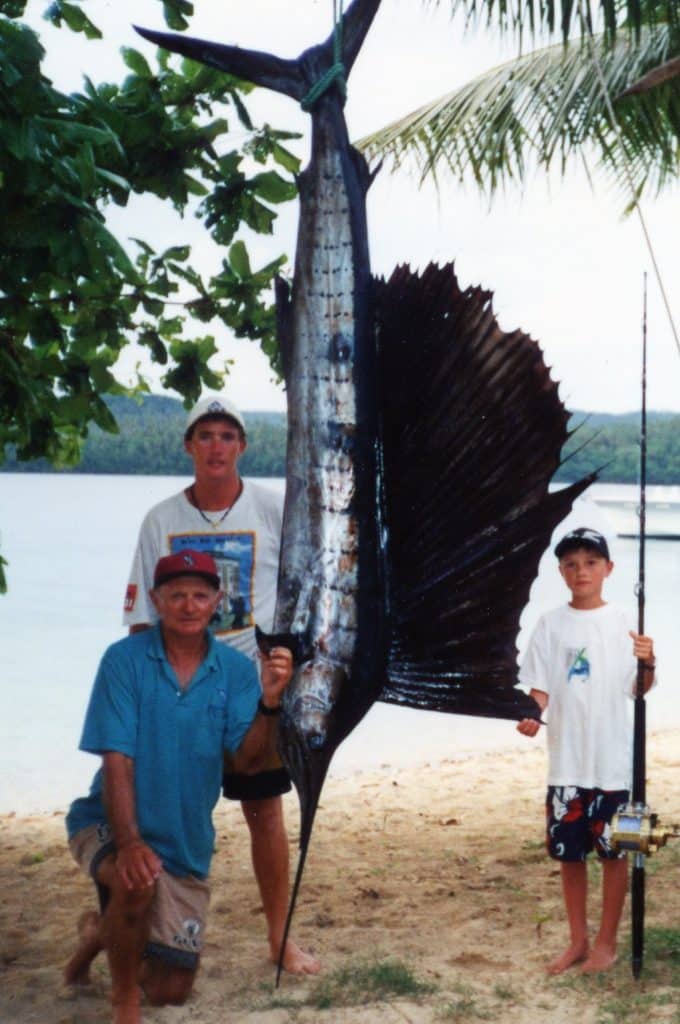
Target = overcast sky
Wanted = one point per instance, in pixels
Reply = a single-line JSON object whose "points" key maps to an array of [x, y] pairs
{"points": [[562, 262]]}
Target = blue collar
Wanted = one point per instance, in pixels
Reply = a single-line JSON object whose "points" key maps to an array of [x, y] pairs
{"points": [[157, 651]]}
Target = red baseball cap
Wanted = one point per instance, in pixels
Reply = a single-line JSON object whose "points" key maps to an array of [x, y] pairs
{"points": [[187, 563]]}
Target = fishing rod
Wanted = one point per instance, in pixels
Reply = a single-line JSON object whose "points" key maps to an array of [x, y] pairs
{"points": [[635, 828]]}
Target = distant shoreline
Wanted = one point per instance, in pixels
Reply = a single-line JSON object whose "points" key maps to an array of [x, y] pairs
{"points": [[607, 442]]}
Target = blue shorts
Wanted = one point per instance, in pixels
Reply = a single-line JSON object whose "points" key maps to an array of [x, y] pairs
{"points": [[577, 822]]}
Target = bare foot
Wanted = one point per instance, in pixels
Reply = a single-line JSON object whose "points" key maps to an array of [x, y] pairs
{"points": [[77, 970], [574, 954], [296, 961], [127, 1013], [601, 958]]}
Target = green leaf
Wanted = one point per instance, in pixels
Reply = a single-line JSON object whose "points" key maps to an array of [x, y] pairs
{"points": [[109, 178], [136, 62], [271, 187], [195, 187], [152, 340], [241, 111], [169, 327], [74, 17], [12, 8], [285, 158], [239, 260], [154, 307], [177, 252], [72, 132], [177, 12]]}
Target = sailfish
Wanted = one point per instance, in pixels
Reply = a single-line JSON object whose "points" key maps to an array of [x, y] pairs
{"points": [[421, 442]]}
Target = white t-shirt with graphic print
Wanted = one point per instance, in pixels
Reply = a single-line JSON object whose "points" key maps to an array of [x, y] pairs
{"points": [[583, 660], [245, 546]]}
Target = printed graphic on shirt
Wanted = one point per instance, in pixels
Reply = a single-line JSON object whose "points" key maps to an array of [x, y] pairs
{"points": [[579, 666], [130, 597], [234, 554]]}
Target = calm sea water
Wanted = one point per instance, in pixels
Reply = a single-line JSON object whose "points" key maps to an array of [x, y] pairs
{"points": [[69, 542]]}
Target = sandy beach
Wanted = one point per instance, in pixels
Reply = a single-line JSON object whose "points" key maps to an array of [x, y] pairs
{"points": [[427, 895]]}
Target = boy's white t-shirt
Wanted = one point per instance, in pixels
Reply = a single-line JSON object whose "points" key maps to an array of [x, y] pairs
{"points": [[583, 660], [245, 545]]}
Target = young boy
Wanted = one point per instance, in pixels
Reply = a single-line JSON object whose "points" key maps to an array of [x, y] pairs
{"points": [[580, 663]]}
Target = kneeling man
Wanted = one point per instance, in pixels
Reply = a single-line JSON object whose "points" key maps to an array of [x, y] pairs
{"points": [[166, 705]]}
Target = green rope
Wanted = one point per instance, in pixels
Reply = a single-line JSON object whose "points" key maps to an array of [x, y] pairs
{"points": [[336, 72]]}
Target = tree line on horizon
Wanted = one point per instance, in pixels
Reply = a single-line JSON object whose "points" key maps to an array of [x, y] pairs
{"points": [[150, 442]]}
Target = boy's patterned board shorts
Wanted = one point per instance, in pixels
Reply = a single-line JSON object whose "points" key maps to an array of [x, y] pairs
{"points": [[178, 911], [578, 821]]}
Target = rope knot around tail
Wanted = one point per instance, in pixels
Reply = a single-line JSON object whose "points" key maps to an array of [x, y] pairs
{"points": [[336, 72]]}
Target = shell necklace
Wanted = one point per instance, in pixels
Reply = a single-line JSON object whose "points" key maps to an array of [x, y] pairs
{"points": [[214, 522]]}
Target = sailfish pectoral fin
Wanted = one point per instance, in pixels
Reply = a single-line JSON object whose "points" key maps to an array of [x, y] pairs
{"points": [[297, 643], [473, 428]]}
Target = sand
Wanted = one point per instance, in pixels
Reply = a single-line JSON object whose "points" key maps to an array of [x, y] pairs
{"points": [[439, 869]]}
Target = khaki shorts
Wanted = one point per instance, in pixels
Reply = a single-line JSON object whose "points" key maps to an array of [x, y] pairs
{"points": [[179, 908]]}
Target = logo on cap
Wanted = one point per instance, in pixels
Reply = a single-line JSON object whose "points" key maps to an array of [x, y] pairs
{"points": [[583, 536]]}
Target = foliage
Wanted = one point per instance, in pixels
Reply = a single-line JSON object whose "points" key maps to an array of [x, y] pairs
{"points": [[548, 108], [565, 17], [72, 296], [150, 442], [69, 291], [612, 446]]}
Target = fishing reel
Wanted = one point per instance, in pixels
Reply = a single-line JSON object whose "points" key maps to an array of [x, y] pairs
{"points": [[636, 829]]}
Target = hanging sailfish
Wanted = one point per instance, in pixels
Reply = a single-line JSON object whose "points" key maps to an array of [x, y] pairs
{"points": [[421, 440]]}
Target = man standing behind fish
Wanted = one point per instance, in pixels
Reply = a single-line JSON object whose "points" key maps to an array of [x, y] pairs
{"points": [[238, 522]]}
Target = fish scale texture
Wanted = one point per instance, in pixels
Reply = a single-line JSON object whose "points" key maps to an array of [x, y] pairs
{"points": [[472, 433]]}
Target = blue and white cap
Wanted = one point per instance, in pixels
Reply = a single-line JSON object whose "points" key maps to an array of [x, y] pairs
{"points": [[583, 537]]}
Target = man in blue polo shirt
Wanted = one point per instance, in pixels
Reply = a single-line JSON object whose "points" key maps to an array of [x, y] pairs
{"points": [[166, 705]]}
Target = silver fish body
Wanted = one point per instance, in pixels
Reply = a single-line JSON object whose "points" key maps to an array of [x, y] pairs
{"points": [[333, 515]]}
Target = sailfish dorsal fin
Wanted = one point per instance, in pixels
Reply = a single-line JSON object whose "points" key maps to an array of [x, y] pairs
{"points": [[472, 430]]}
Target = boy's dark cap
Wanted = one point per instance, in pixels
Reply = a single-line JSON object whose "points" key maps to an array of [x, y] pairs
{"points": [[583, 537], [187, 563]]}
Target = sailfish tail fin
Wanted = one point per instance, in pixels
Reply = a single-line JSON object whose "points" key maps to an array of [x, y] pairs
{"points": [[251, 65], [294, 78]]}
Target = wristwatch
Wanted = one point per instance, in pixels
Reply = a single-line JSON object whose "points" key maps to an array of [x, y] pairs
{"points": [[268, 712]]}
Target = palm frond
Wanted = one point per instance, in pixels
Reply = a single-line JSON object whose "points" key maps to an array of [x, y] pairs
{"points": [[657, 76], [567, 17], [542, 109]]}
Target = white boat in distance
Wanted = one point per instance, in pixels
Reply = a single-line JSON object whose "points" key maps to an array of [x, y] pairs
{"points": [[662, 510]]}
